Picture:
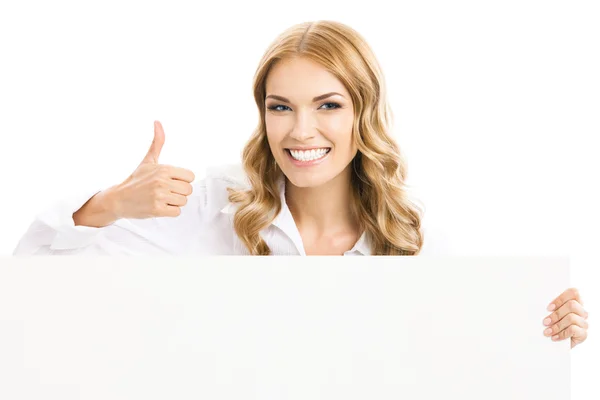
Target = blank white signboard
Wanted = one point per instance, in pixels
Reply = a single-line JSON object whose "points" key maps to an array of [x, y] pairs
{"points": [[281, 328]]}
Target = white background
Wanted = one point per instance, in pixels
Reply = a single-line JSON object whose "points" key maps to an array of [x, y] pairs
{"points": [[496, 106]]}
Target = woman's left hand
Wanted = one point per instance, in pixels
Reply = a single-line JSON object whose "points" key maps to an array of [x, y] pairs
{"points": [[569, 319]]}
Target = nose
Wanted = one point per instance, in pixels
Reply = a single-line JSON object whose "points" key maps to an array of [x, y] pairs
{"points": [[303, 128]]}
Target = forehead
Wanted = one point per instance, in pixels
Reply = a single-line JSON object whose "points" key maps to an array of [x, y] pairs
{"points": [[301, 78]]}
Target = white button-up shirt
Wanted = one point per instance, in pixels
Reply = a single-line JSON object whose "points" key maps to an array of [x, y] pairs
{"points": [[204, 227]]}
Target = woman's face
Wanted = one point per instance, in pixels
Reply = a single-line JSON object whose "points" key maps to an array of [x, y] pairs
{"points": [[302, 115]]}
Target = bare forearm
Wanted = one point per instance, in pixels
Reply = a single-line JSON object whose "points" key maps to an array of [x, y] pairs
{"points": [[99, 211]]}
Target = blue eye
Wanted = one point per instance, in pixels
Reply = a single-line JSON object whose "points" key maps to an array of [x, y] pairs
{"points": [[335, 105], [274, 108], [333, 108]]}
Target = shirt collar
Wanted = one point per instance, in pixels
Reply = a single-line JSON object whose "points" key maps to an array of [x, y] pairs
{"points": [[285, 222]]}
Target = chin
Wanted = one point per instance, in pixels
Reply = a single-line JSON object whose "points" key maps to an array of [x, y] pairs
{"points": [[307, 180]]}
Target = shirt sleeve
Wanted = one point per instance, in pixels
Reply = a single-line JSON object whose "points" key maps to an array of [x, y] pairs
{"points": [[53, 231]]}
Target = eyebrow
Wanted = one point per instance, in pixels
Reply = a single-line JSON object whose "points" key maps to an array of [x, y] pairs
{"points": [[321, 97]]}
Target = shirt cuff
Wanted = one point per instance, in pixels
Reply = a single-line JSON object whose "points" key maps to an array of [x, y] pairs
{"points": [[60, 219]]}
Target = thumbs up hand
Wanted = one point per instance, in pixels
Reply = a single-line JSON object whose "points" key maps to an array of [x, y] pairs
{"points": [[153, 189]]}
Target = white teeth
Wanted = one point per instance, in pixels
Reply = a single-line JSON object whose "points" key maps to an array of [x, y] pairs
{"points": [[308, 155]]}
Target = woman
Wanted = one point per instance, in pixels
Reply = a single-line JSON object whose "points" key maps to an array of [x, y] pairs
{"points": [[321, 175]]}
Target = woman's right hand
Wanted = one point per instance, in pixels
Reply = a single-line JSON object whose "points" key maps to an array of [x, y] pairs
{"points": [[152, 190]]}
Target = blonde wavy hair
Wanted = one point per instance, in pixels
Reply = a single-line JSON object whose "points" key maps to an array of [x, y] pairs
{"points": [[391, 221]]}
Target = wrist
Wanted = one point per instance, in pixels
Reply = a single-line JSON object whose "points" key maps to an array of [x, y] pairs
{"points": [[109, 204]]}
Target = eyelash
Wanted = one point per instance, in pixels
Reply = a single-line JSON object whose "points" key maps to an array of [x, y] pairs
{"points": [[273, 108]]}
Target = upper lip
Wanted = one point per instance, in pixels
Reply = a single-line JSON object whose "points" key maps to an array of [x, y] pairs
{"points": [[307, 148]]}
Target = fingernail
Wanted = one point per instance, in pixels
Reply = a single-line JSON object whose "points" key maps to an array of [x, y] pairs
{"points": [[551, 307], [548, 331], [554, 337], [547, 321]]}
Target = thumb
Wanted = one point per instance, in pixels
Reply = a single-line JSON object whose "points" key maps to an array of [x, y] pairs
{"points": [[156, 146]]}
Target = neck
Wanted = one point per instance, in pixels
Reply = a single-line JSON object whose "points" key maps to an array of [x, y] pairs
{"points": [[324, 209]]}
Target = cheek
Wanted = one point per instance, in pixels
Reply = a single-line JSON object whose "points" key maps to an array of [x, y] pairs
{"points": [[339, 128], [277, 126], [275, 132]]}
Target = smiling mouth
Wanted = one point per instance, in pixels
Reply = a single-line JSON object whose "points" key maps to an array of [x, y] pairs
{"points": [[308, 155]]}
